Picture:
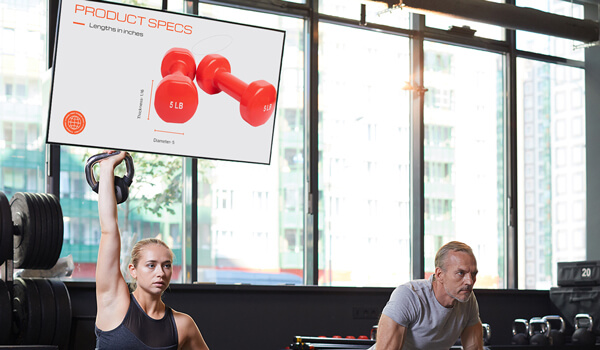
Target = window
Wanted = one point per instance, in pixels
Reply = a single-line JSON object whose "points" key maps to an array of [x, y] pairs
{"points": [[258, 206], [354, 105], [549, 45], [252, 218], [468, 205], [560, 167]]}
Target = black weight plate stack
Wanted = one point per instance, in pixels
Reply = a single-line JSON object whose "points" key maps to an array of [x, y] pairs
{"points": [[47, 233], [48, 307], [24, 232], [6, 312], [27, 312], [57, 223], [39, 246], [6, 229], [63, 314]]}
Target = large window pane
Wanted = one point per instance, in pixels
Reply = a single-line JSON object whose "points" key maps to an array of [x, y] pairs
{"points": [[552, 181], [550, 45], [251, 217], [464, 151], [364, 158], [22, 73]]}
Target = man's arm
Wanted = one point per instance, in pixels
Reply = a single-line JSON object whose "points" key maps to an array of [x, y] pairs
{"points": [[390, 335], [472, 337]]}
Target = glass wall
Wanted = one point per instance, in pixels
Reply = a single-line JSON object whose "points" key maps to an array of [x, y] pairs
{"points": [[552, 179], [251, 220], [464, 156], [22, 76], [251, 217], [364, 152], [549, 45]]}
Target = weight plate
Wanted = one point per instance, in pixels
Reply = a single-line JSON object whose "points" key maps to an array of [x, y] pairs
{"points": [[53, 225], [26, 311], [63, 314], [6, 229], [58, 220], [24, 231], [6, 312], [48, 307], [38, 243], [47, 233]]}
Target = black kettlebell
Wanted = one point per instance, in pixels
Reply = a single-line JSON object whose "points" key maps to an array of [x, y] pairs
{"points": [[520, 338], [487, 333], [557, 329], [539, 332], [121, 183], [583, 334]]}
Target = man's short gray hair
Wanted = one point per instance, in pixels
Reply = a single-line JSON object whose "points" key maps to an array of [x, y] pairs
{"points": [[453, 246]]}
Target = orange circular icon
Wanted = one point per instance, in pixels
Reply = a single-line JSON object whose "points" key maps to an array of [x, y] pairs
{"points": [[74, 122]]}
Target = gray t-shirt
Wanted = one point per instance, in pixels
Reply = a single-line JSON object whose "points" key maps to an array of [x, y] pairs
{"points": [[429, 325]]}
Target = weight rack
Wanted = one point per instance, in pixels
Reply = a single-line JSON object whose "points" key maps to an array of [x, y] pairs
{"points": [[42, 306]]}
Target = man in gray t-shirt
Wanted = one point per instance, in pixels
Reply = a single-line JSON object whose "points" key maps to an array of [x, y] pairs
{"points": [[432, 314]]}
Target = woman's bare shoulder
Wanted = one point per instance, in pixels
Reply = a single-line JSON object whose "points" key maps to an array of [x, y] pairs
{"points": [[189, 334]]}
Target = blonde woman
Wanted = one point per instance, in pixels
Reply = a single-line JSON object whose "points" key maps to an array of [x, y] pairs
{"points": [[138, 320]]}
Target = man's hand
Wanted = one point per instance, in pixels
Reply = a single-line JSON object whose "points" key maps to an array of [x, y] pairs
{"points": [[472, 337], [390, 335]]}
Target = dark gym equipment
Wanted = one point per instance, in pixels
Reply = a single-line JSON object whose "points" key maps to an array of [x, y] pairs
{"points": [[41, 312], [520, 337], [37, 226], [121, 183], [539, 332], [578, 273], [578, 291], [35, 312], [6, 226], [373, 334], [583, 334], [572, 301], [6, 312], [48, 310], [25, 228], [53, 223], [557, 329], [319, 343], [487, 334], [63, 314], [27, 313]]}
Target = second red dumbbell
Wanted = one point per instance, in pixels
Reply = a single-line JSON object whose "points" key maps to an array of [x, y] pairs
{"points": [[257, 99], [176, 98]]}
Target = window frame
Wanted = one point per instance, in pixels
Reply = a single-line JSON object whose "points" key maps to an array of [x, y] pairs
{"points": [[417, 33]]}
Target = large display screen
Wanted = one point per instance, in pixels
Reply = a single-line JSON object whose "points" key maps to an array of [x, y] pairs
{"points": [[144, 80]]}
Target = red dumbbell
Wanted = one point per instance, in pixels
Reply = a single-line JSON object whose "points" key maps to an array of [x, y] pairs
{"points": [[176, 97], [257, 99]]}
